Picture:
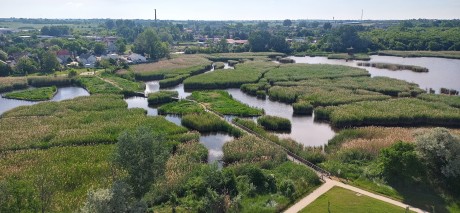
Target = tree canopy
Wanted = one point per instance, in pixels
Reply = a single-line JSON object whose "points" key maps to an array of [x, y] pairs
{"points": [[149, 43]]}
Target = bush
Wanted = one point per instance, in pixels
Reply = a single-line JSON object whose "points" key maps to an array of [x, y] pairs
{"points": [[162, 97], [274, 123]]}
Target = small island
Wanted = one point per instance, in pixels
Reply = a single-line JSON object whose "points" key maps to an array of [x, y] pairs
{"points": [[39, 94]]}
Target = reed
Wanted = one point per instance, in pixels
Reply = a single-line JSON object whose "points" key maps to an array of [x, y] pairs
{"points": [[162, 97], [39, 94], [274, 123]]}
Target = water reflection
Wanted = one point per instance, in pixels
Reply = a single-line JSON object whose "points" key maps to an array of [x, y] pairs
{"points": [[304, 129], [442, 72], [215, 142]]}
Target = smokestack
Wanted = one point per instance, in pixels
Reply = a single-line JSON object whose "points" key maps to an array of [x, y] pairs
{"points": [[155, 14]]}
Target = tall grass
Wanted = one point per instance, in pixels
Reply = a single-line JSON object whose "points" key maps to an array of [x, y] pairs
{"points": [[450, 100], [12, 83], [180, 108], [250, 149], [39, 94], [162, 97], [95, 85], [345, 56], [395, 67], [128, 86], [243, 56], [396, 112], [46, 81], [437, 54], [274, 123], [223, 103], [302, 108], [207, 122], [249, 72], [174, 81]]}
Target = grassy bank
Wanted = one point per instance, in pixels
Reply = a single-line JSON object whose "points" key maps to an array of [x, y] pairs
{"points": [[395, 67], [223, 103], [342, 200], [396, 112], [411, 54], [162, 97], [39, 94], [249, 72]]}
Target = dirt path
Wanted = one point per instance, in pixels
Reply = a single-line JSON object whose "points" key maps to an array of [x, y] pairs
{"points": [[111, 82], [331, 183]]}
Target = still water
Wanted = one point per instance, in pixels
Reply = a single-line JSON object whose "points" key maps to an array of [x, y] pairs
{"points": [[442, 72], [64, 93]]}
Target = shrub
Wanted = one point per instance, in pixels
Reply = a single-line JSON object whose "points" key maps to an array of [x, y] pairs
{"points": [[274, 123], [162, 97]]}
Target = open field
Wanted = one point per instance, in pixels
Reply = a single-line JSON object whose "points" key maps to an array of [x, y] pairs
{"points": [[223, 103], [84, 120], [39, 94], [249, 72], [67, 173], [342, 200], [437, 54]]}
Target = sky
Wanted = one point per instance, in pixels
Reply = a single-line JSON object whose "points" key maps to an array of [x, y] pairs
{"points": [[232, 9]]}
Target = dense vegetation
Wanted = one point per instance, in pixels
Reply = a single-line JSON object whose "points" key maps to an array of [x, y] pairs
{"points": [[395, 112], [162, 97], [249, 72], [207, 122], [395, 66], [450, 100], [39, 94], [180, 108], [437, 54], [223, 103], [12, 83], [95, 85], [274, 123]]}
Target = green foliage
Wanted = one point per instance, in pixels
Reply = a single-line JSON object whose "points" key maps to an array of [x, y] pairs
{"points": [[39, 94], [298, 72], [84, 120], [170, 82], [453, 101], [150, 44], [287, 189], [94, 85], [250, 149], [400, 163], [46, 81], [25, 66], [249, 72], [302, 108], [345, 56], [128, 86], [55, 179], [5, 69], [99, 48], [207, 122], [180, 108], [223, 103], [274, 123], [437, 54], [395, 112], [162, 97], [143, 155], [49, 62], [395, 66]]}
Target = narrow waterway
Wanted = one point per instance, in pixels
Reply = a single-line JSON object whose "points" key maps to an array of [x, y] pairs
{"points": [[443, 73], [63, 93]]}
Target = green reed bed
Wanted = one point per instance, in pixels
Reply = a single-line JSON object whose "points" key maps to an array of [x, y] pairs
{"points": [[243, 56], [65, 174], [162, 97], [46, 81], [411, 54], [94, 85], [39, 94], [180, 108], [12, 83], [395, 112], [128, 86], [219, 65], [250, 149], [302, 108], [223, 103], [174, 81], [249, 72], [395, 67], [345, 56], [298, 72], [207, 122], [76, 122], [274, 123], [451, 100]]}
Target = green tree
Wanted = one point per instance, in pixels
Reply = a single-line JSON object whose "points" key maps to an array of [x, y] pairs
{"points": [[121, 46], [5, 69], [25, 66], [150, 44], [143, 155], [400, 162], [49, 62], [3, 56], [327, 26], [99, 48], [279, 44], [259, 41], [287, 23]]}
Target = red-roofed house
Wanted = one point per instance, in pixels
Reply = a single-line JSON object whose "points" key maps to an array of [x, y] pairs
{"points": [[63, 56]]}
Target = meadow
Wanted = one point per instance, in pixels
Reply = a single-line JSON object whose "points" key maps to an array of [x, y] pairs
{"points": [[248, 72], [395, 112], [39, 94], [223, 103]]}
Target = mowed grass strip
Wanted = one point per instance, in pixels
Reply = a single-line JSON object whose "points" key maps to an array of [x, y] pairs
{"points": [[39, 94], [339, 199]]}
